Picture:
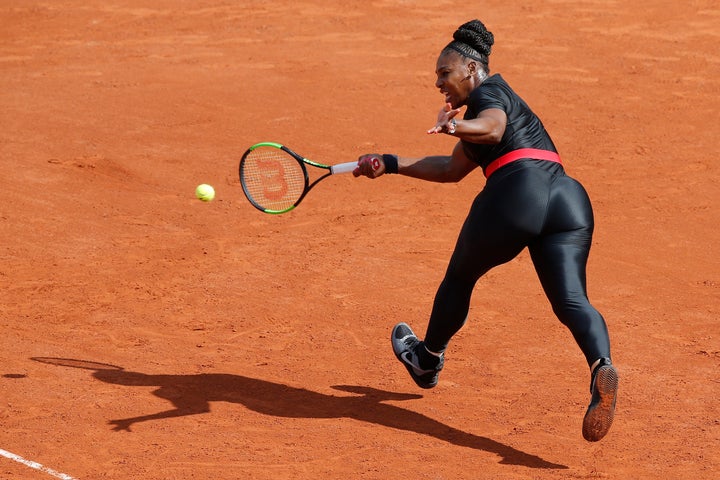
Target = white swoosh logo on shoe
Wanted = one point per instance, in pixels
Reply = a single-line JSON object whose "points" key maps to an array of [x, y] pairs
{"points": [[407, 358]]}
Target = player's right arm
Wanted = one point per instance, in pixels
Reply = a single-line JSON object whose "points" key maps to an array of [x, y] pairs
{"points": [[438, 168], [434, 168]]}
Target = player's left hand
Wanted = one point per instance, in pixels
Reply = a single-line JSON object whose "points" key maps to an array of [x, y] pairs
{"points": [[446, 114]]}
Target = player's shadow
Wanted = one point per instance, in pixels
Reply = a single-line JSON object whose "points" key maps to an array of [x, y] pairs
{"points": [[192, 394]]}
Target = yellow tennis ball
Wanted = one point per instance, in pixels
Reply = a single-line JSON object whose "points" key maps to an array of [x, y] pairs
{"points": [[205, 192]]}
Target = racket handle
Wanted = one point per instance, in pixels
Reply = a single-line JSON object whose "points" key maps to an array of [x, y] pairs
{"points": [[343, 167]]}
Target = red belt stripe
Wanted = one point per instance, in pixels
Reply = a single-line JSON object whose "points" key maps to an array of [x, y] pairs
{"points": [[510, 157]]}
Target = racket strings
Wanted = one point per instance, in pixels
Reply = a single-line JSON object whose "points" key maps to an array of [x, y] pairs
{"points": [[272, 179]]}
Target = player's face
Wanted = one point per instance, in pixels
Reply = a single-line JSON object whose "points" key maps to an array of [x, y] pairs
{"points": [[454, 78]]}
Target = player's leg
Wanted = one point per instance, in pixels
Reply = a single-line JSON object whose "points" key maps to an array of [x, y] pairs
{"points": [[470, 260], [560, 257], [480, 247], [560, 260], [501, 221]]}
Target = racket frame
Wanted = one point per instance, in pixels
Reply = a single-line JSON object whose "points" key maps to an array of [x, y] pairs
{"points": [[340, 168]]}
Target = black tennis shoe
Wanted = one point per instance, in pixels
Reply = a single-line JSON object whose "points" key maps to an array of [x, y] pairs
{"points": [[601, 411], [406, 347]]}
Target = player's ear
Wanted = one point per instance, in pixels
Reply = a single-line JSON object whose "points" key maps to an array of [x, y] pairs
{"points": [[472, 67]]}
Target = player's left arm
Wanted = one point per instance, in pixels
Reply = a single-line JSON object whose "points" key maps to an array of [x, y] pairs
{"points": [[487, 128]]}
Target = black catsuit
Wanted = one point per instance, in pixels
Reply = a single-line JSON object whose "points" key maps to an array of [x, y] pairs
{"points": [[526, 203]]}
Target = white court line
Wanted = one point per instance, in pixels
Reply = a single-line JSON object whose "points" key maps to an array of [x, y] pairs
{"points": [[35, 465]]}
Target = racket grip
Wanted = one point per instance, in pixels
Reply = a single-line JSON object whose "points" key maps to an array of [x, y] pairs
{"points": [[343, 167]]}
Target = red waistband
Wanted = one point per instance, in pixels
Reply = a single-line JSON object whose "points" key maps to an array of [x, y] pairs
{"points": [[532, 153]]}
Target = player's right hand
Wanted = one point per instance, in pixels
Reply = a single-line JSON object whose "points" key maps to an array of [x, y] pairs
{"points": [[370, 165]]}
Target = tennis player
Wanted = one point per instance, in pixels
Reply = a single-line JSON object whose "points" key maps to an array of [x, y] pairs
{"points": [[528, 201]]}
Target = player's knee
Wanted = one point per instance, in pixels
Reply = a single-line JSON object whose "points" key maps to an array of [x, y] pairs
{"points": [[571, 310]]}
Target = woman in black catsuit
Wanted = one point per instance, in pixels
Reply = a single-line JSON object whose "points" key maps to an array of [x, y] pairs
{"points": [[528, 201]]}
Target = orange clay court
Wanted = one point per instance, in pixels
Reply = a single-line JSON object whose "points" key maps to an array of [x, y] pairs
{"points": [[149, 335]]}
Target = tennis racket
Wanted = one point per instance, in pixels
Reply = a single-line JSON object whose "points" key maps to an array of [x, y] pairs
{"points": [[275, 179]]}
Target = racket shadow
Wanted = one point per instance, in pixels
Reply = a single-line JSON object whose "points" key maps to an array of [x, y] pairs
{"points": [[192, 394]]}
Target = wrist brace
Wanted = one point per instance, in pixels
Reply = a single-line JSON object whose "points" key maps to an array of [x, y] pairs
{"points": [[391, 162]]}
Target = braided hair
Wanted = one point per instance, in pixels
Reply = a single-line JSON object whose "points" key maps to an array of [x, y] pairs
{"points": [[473, 40]]}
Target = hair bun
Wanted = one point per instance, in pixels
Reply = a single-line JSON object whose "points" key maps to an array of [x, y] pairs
{"points": [[475, 35]]}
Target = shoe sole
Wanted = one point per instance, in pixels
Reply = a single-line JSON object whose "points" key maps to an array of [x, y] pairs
{"points": [[601, 412], [399, 348]]}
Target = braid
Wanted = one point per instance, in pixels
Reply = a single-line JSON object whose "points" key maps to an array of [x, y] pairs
{"points": [[473, 40]]}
